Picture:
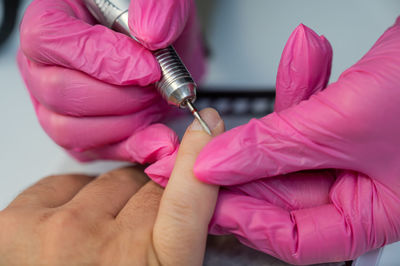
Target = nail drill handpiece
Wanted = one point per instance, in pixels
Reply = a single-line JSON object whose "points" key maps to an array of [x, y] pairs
{"points": [[176, 84]]}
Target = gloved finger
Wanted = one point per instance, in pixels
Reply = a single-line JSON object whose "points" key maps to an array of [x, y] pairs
{"points": [[190, 46], [300, 237], [330, 130], [158, 23], [187, 204], [84, 133], [304, 68], [57, 32], [310, 135], [161, 170], [273, 146], [292, 191], [51, 192], [71, 92], [149, 145]]}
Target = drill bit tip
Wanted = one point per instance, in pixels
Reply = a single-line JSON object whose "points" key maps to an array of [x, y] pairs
{"points": [[196, 114]]}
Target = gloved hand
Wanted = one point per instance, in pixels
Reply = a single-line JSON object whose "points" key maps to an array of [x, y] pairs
{"points": [[92, 87], [304, 69], [352, 127]]}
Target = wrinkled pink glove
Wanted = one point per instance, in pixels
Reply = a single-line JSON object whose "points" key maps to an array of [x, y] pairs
{"points": [[352, 126], [304, 69], [92, 87]]}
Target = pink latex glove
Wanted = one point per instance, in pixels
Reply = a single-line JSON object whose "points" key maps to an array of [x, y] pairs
{"points": [[352, 126], [92, 87], [304, 69]]}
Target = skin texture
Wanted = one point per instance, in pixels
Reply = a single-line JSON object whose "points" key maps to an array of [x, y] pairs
{"points": [[92, 88], [118, 218]]}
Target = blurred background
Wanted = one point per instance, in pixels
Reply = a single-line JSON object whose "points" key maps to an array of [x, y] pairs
{"points": [[245, 39]]}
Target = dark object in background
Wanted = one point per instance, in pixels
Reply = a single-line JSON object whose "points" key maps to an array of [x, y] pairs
{"points": [[254, 102], [8, 18], [227, 251]]}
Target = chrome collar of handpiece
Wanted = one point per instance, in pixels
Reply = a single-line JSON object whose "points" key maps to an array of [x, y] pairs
{"points": [[107, 12]]}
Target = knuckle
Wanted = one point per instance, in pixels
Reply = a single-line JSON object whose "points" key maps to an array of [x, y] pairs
{"points": [[32, 29], [51, 86], [42, 186], [28, 34], [44, 216], [7, 220], [124, 175], [57, 128], [188, 154], [70, 222], [46, 183], [5, 215], [180, 210], [50, 185], [68, 217], [152, 193], [111, 176]]}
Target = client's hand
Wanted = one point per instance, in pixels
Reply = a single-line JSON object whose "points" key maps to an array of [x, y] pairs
{"points": [[118, 218]]}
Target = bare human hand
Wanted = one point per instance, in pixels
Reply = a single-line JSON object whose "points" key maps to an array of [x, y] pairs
{"points": [[114, 219]]}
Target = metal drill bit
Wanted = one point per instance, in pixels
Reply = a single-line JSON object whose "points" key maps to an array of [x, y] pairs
{"points": [[196, 114]]}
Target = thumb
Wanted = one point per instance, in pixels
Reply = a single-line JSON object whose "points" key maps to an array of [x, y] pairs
{"points": [[158, 23], [181, 227]]}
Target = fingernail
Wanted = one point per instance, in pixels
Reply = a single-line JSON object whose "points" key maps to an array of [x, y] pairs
{"points": [[210, 116]]}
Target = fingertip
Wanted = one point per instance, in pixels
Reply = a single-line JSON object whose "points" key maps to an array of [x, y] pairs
{"points": [[209, 167], [212, 119], [152, 144], [203, 173], [304, 68], [397, 23], [158, 23], [161, 170]]}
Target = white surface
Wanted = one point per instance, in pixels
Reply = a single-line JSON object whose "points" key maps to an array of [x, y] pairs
{"points": [[246, 40], [247, 37], [26, 153], [371, 258], [390, 255]]}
